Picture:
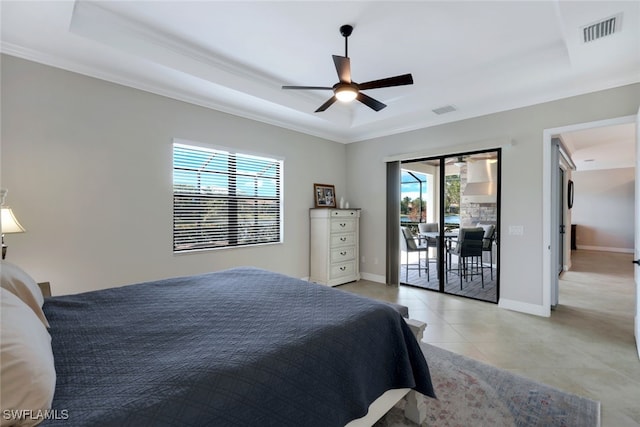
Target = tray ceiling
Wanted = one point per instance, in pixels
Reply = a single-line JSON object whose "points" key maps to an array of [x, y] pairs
{"points": [[467, 58]]}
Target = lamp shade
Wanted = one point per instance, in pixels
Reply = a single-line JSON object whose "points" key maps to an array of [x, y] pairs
{"points": [[9, 222]]}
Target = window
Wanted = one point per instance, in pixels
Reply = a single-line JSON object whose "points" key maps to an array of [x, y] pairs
{"points": [[223, 199], [413, 192]]}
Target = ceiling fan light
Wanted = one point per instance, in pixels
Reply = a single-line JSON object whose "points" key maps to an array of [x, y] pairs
{"points": [[346, 94]]}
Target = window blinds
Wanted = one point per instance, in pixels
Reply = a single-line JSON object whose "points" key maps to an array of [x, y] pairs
{"points": [[222, 199]]}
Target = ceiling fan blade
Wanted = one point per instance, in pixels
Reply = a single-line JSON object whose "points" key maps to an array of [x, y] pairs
{"points": [[370, 102], [327, 104], [405, 79], [308, 87], [343, 67]]}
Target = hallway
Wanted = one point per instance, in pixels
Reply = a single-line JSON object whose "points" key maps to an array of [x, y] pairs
{"points": [[586, 347]]}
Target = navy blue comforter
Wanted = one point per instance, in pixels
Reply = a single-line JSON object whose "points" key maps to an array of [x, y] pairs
{"points": [[241, 347]]}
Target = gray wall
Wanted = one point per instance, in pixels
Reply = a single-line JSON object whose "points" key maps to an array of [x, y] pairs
{"points": [[603, 209], [88, 167], [522, 192]]}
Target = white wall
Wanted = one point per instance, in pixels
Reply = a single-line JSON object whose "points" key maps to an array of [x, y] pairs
{"points": [[521, 256], [604, 209], [88, 168]]}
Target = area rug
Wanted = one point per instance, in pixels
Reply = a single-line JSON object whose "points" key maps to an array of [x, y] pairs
{"points": [[471, 393]]}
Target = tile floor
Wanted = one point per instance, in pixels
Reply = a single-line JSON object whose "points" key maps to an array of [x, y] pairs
{"points": [[586, 347]]}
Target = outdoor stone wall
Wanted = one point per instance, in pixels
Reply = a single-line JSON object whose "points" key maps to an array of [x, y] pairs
{"points": [[474, 213]]}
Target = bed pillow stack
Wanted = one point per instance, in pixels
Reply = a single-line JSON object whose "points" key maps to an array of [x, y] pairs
{"points": [[18, 282], [27, 372]]}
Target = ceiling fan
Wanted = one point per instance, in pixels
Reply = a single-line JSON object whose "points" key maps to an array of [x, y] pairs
{"points": [[460, 162], [347, 90]]}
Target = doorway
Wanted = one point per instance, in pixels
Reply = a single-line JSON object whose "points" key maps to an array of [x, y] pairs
{"points": [[449, 224], [584, 233], [561, 214]]}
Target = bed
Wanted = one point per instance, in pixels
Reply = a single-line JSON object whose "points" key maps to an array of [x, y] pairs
{"points": [[240, 347]]}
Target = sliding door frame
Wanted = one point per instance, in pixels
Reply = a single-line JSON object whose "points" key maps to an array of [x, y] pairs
{"points": [[393, 216]]}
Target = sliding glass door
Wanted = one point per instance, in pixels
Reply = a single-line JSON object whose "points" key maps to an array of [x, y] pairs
{"points": [[449, 224]]}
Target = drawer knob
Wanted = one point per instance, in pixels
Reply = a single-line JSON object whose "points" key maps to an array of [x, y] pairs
{"points": [[342, 224], [343, 253], [343, 268], [343, 239]]}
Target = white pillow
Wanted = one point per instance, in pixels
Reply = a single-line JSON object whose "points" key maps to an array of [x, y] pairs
{"points": [[27, 371], [18, 282], [488, 229]]}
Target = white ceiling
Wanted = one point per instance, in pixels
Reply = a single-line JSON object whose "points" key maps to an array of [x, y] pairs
{"points": [[479, 56], [608, 147]]}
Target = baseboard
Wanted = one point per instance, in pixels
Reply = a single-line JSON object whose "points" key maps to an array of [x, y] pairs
{"points": [[605, 249], [524, 307], [366, 276], [373, 277]]}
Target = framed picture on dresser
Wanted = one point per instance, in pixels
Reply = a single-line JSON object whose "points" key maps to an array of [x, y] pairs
{"points": [[325, 195]]}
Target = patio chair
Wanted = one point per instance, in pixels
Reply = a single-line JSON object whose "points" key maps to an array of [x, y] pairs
{"points": [[487, 242], [430, 242], [409, 245], [468, 249]]}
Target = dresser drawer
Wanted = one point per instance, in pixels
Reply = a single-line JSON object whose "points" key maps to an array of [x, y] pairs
{"points": [[343, 254], [346, 239], [346, 213], [343, 225], [341, 269]]}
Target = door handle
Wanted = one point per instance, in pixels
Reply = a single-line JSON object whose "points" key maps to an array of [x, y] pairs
{"points": [[636, 261]]}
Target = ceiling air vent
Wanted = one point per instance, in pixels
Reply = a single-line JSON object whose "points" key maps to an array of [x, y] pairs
{"points": [[602, 28], [445, 109]]}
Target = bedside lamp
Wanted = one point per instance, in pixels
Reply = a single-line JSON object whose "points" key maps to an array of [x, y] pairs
{"points": [[9, 225]]}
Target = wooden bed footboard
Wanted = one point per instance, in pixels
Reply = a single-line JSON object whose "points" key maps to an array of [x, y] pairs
{"points": [[415, 408]]}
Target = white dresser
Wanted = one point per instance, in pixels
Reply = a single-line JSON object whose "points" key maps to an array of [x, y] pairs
{"points": [[334, 248]]}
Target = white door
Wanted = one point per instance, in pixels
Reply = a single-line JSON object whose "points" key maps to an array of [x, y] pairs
{"points": [[637, 238]]}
